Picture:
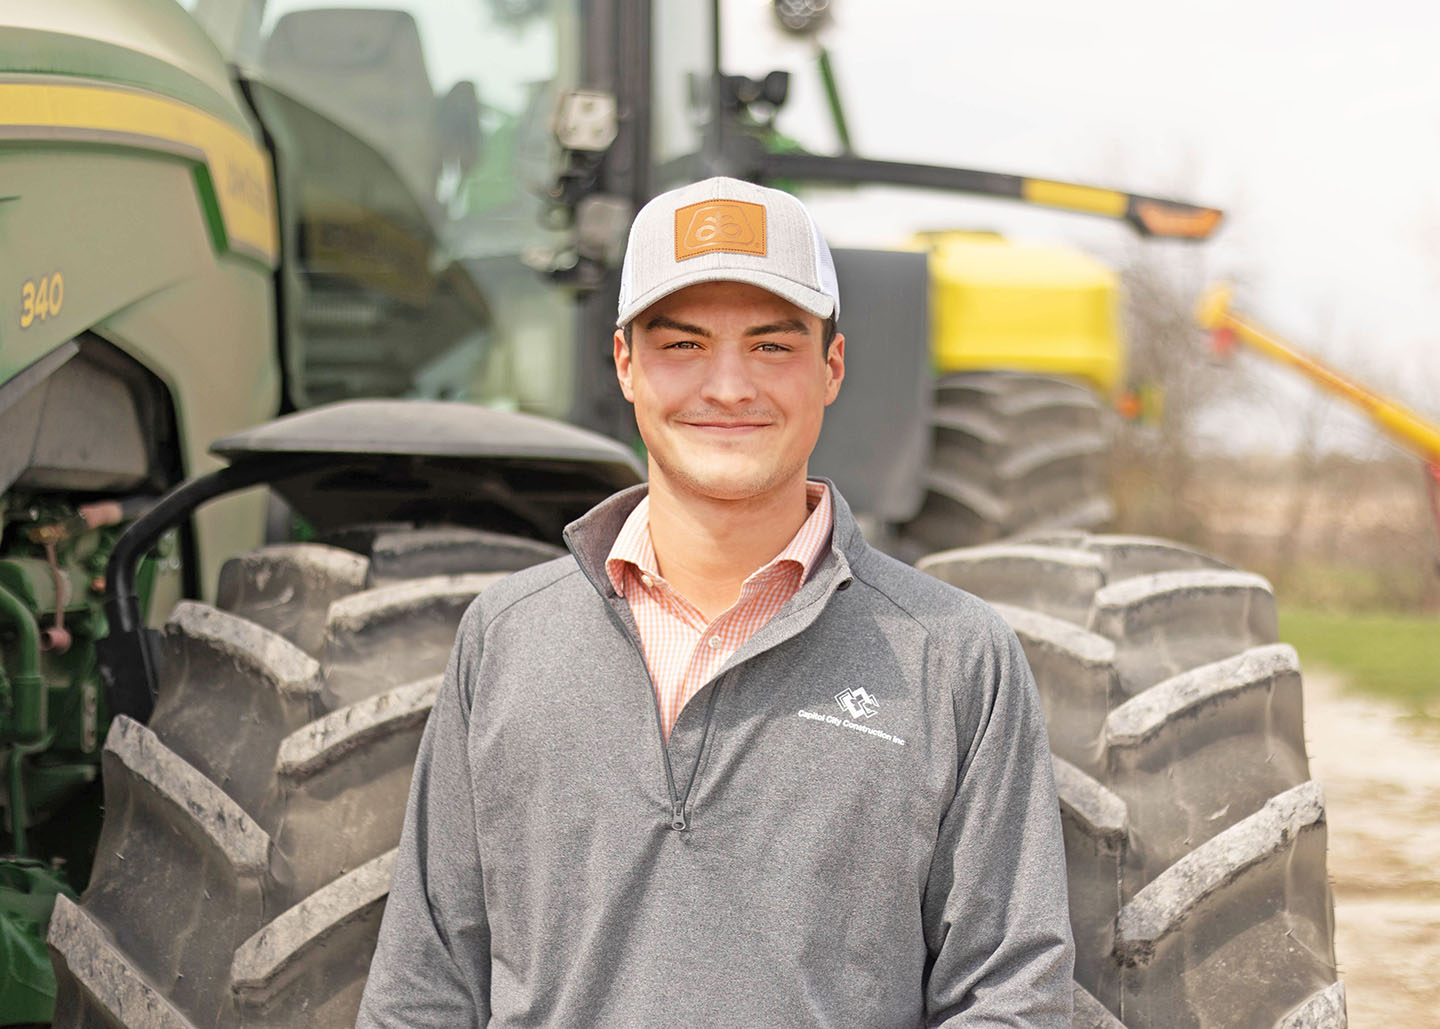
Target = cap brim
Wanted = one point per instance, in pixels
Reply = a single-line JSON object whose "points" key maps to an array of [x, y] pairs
{"points": [[821, 305]]}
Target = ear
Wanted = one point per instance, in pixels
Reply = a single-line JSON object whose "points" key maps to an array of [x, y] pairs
{"points": [[622, 366], [834, 368]]}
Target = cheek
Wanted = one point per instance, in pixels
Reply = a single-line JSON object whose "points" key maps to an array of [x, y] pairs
{"points": [[653, 402], [663, 387], [808, 398]]}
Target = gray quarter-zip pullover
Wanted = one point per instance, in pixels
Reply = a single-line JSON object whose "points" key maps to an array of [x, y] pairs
{"points": [[854, 823]]}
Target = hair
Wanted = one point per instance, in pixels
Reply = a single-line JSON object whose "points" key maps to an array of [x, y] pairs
{"points": [[828, 331]]}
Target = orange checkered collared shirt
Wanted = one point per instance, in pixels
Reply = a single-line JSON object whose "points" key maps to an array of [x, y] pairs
{"points": [[682, 650]]}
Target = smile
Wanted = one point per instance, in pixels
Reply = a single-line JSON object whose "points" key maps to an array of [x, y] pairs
{"points": [[728, 428]]}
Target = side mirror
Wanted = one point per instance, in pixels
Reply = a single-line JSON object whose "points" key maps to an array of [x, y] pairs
{"points": [[457, 126]]}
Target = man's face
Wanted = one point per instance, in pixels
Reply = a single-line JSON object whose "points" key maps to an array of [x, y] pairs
{"points": [[730, 385]]}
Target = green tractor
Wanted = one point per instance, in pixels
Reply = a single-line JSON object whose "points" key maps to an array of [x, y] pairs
{"points": [[399, 229]]}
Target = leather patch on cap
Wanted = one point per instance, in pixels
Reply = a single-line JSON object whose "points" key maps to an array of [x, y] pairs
{"points": [[736, 226]]}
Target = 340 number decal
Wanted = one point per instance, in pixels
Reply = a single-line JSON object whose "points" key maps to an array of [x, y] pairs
{"points": [[41, 298]]}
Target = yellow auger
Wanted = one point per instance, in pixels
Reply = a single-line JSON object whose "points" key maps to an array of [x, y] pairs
{"points": [[1396, 420]]}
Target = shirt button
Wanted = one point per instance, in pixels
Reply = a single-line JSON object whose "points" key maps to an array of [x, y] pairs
{"points": [[647, 581], [714, 642]]}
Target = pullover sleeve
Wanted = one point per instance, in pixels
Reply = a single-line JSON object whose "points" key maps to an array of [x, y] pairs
{"points": [[432, 961], [996, 919]]}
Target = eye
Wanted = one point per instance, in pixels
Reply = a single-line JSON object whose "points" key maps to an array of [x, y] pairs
{"points": [[774, 348], [682, 344]]}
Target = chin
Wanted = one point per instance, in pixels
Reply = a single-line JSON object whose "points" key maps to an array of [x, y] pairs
{"points": [[729, 484]]}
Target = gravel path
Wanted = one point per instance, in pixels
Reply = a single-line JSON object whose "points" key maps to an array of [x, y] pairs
{"points": [[1382, 788]]}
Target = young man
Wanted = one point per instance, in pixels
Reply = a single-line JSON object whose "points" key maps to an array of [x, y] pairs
{"points": [[726, 764]]}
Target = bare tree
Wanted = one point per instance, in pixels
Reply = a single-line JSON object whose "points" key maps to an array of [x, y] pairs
{"points": [[1176, 378]]}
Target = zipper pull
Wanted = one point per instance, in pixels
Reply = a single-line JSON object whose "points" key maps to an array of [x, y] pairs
{"points": [[677, 817]]}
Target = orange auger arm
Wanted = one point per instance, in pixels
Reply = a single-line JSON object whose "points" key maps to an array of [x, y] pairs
{"points": [[1394, 419]]}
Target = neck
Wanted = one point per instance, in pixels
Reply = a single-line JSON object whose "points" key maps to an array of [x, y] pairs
{"points": [[706, 548]]}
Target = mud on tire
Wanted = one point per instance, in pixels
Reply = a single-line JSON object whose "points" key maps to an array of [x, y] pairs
{"points": [[250, 826], [1194, 836]]}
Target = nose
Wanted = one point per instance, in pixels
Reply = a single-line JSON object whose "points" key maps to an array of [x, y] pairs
{"points": [[728, 379]]}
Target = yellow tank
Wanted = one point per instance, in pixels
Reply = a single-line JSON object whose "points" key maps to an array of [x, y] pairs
{"points": [[996, 304]]}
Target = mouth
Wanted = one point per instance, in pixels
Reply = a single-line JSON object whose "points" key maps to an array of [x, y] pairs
{"points": [[727, 428]]}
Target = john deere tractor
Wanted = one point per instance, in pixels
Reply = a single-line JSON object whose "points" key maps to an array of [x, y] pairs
{"points": [[304, 326]]}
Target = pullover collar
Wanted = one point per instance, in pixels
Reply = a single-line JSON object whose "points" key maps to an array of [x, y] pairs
{"points": [[591, 537], [800, 557]]}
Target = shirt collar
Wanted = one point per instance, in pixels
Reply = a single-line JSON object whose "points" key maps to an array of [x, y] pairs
{"points": [[633, 548], [809, 544]]}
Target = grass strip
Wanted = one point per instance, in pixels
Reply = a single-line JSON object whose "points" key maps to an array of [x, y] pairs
{"points": [[1394, 656]]}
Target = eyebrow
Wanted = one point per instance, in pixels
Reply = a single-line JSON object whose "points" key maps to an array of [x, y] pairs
{"points": [[660, 321], [788, 325]]}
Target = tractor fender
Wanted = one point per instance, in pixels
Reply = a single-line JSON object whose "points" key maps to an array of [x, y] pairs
{"points": [[437, 462]]}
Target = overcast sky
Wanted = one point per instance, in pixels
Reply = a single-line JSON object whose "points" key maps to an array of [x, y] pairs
{"points": [[1316, 126]]}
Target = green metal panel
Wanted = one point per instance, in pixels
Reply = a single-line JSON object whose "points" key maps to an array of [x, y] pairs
{"points": [[27, 894], [150, 44], [116, 226], [134, 218], [126, 234]]}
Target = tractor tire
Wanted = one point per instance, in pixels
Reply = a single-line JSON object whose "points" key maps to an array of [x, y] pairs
{"points": [[1194, 836], [1012, 453], [250, 826]]}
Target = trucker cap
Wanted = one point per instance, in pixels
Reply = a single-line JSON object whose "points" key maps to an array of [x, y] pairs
{"points": [[727, 230]]}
